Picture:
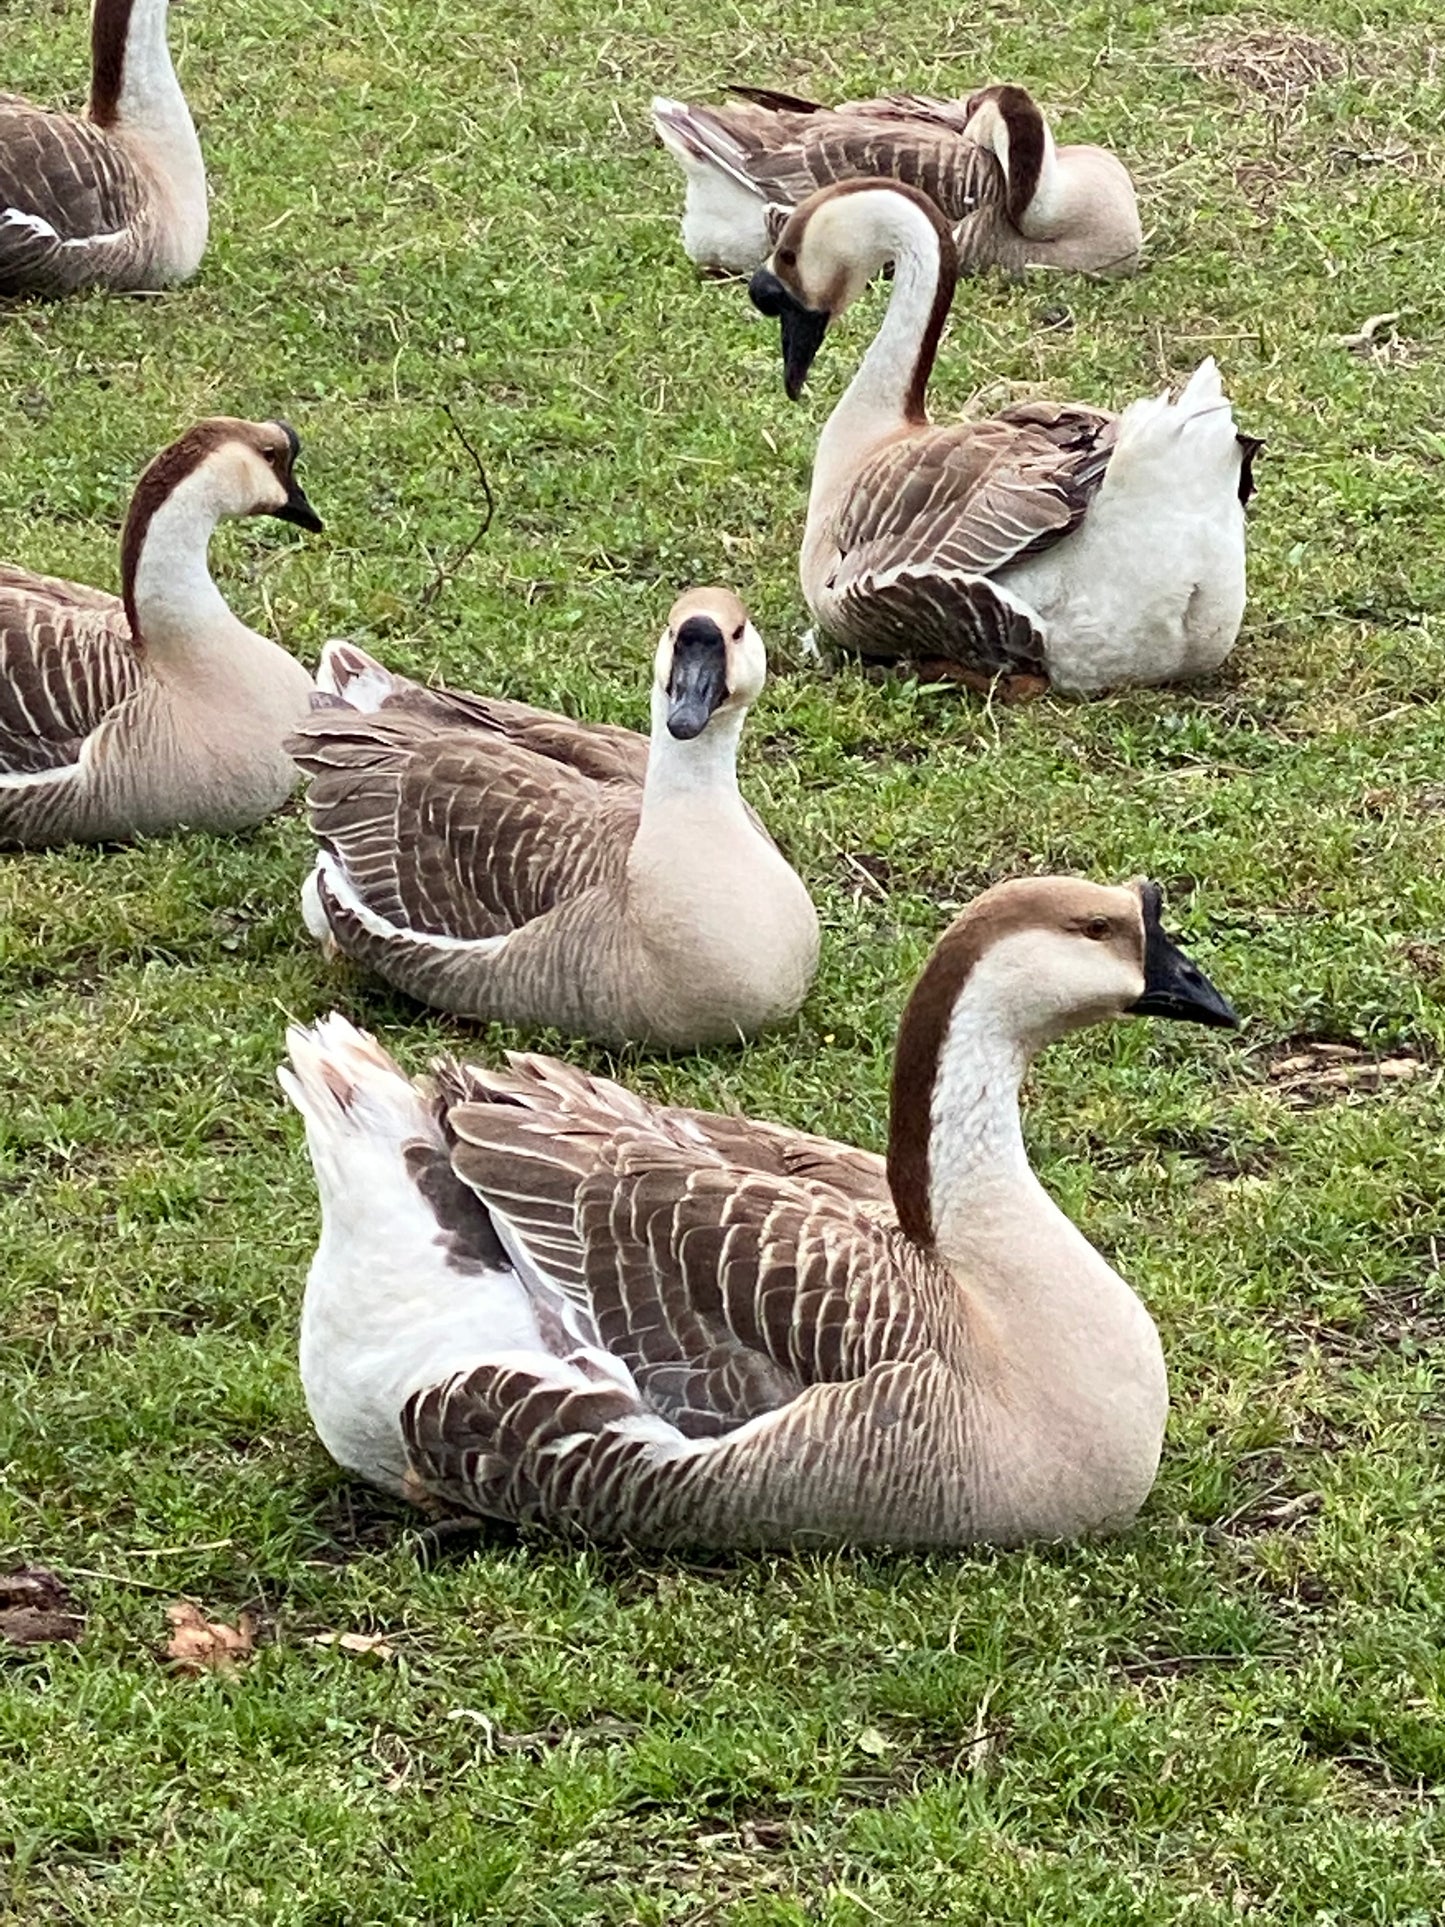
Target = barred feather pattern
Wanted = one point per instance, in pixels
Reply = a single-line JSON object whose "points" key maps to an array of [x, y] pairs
{"points": [[67, 664], [75, 211], [780, 1336], [930, 520], [605, 752]]}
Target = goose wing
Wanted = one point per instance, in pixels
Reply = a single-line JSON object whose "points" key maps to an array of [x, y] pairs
{"points": [[563, 1094], [726, 1292], [787, 155], [953, 114], [604, 751], [66, 663], [450, 833], [63, 185], [931, 519]]}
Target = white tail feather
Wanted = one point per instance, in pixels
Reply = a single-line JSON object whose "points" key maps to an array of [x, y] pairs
{"points": [[1182, 445], [358, 679]]}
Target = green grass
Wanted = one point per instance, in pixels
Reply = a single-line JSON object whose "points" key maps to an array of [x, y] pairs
{"points": [[1232, 1713]]}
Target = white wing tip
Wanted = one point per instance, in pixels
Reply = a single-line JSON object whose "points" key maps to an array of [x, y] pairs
{"points": [[358, 679]]}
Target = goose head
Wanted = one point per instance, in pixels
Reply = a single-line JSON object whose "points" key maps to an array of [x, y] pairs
{"points": [[227, 468], [220, 468], [1052, 954], [710, 662], [829, 249], [1027, 962], [1079, 199]]}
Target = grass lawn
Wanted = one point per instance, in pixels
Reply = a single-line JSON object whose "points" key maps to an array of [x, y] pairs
{"points": [[1236, 1712]]}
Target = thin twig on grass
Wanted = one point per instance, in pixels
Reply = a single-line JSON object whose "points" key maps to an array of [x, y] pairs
{"points": [[447, 570]]}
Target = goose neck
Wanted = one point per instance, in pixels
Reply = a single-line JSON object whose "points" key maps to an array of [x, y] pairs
{"points": [[704, 768], [978, 1169], [892, 381], [170, 597], [133, 81]]}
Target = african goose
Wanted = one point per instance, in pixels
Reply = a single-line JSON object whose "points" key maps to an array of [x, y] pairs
{"points": [[125, 717], [116, 199], [1053, 542], [502, 862], [1013, 199], [539, 1298]]}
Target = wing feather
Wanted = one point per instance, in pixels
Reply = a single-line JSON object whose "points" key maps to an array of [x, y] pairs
{"points": [[724, 1292], [453, 833], [932, 518], [66, 663], [63, 183]]}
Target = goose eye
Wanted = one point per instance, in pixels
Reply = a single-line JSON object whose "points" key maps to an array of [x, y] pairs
{"points": [[1098, 929], [788, 258], [738, 633]]}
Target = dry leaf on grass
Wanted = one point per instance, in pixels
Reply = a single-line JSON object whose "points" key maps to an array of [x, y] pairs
{"points": [[201, 1645], [1315, 1072], [373, 1643], [35, 1607]]}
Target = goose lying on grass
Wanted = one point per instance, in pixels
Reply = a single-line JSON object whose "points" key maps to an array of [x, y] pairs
{"points": [[1012, 198], [537, 1297], [116, 199], [1052, 543], [499, 861], [126, 716]]}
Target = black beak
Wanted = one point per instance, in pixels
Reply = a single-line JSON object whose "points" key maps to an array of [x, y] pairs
{"points": [[296, 508], [699, 679], [802, 328], [1175, 986]]}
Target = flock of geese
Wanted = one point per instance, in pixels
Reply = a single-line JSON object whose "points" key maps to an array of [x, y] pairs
{"points": [[536, 1296]]}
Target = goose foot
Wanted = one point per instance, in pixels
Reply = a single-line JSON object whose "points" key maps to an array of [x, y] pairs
{"points": [[1008, 689]]}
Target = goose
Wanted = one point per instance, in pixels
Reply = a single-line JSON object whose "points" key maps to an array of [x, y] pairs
{"points": [[113, 199], [126, 716], [1014, 200], [501, 862], [1053, 543], [540, 1298]]}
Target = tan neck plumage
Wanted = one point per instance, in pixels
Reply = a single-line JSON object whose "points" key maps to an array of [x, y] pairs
{"points": [[889, 391]]}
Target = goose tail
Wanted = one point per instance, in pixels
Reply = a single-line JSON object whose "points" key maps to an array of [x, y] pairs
{"points": [[697, 138], [1181, 446], [358, 679], [349, 1091]]}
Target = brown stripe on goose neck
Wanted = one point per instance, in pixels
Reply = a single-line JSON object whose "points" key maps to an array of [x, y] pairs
{"points": [[915, 401], [1022, 117], [921, 1035], [159, 482], [109, 31]]}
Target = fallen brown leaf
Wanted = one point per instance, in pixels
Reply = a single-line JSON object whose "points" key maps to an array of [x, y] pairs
{"points": [[373, 1643], [201, 1645], [35, 1607]]}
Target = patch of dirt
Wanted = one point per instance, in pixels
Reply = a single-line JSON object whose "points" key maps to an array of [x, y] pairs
{"points": [[37, 1608], [1409, 1316], [1222, 1156], [1270, 64], [1309, 1071], [873, 749], [866, 874], [1427, 960]]}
